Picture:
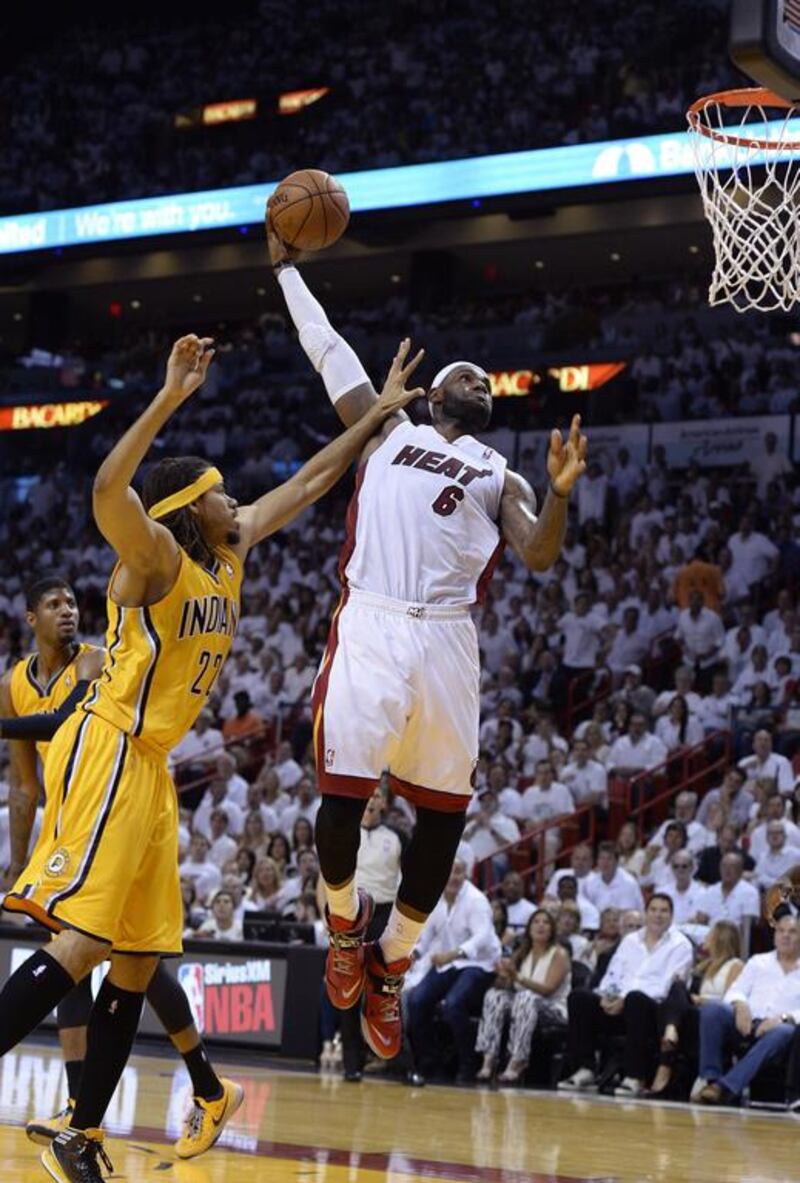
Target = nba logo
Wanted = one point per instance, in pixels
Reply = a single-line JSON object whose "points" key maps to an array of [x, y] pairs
{"points": [[192, 979]]}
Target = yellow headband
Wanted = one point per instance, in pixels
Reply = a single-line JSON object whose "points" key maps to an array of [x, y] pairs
{"points": [[185, 496]]}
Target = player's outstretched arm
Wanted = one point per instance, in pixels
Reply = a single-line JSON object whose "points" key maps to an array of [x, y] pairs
{"points": [[346, 381], [314, 479], [538, 540], [142, 544], [23, 793]]}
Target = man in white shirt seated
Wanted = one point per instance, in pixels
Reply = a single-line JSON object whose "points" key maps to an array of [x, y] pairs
{"points": [[761, 1008], [774, 811], [684, 891], [546, 800], [519, 909], [777, 859], [715, 708], [586, 779], [235, 785], [754, 556], [223, 846], [581, 863], [463, 950], [629, 647], [609, 886], [198, 749], [697, 836], [286, 767], [700, 633], [733, 898], [636, 751], [305, 804], [206, 877], [765, 764], [216, 797], [638, 977], [683, 685], [488, 830]]}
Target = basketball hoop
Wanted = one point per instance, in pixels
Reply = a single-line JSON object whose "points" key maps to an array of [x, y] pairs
{"points": [[747, 161]]}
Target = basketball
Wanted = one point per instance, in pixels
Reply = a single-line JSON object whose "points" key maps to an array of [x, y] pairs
{"points": [[310, 210]]}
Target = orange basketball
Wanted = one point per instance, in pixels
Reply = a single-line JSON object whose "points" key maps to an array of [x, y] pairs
{"points": [[310, 210]]}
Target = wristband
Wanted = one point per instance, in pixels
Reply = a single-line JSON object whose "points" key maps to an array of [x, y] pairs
{"points": [[278, 267]]}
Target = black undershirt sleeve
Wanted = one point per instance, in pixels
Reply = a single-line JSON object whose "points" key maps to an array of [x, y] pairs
{"points": [[43, 727]]}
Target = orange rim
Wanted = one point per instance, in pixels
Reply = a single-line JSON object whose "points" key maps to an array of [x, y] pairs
{"points": [[750, 96]]}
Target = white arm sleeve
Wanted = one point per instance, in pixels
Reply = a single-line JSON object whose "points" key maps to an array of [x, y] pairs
{"points": [[328, 352]]}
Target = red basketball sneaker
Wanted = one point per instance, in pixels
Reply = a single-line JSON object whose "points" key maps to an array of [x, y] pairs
{"points": [[381, 1023], [344, 968]]}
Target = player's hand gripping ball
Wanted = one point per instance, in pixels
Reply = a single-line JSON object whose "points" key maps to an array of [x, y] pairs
{"points": [[309, 210]]}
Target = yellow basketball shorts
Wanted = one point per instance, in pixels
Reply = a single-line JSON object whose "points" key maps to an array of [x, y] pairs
{"points": [[106, 863]]}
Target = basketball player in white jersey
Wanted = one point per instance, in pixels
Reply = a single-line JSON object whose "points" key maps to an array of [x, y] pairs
{"points": [[398, 687]]}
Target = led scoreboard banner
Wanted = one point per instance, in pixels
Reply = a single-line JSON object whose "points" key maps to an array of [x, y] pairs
{"points": [[544, 169]]}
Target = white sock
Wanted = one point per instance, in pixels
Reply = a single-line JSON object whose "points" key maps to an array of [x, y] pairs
{"points": [[400, 935], [328, 352], [343, 901]]}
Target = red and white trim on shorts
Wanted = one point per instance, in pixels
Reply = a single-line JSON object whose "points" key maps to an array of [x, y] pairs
{"points": [[332, 784]]}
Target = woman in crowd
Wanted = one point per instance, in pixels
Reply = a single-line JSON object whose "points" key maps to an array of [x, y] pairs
{"points": [[680, 1015], [630, 853], [302, 836], [245, 861], [599, 747], [532, 988], [265, 893], [254, 836], [279, 851], [677, 728]]}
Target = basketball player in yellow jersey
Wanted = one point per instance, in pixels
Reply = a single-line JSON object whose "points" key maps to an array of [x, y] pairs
{"points": [[104, 874]]}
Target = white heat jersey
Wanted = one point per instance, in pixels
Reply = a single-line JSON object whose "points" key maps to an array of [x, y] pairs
{"points": [[423, 523]]}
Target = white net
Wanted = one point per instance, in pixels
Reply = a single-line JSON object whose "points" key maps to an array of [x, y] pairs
{"points": [[747, 161]]}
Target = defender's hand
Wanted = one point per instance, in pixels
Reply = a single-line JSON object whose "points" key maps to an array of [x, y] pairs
{"points": [[394, 395], [566, 462], [187, 366]]}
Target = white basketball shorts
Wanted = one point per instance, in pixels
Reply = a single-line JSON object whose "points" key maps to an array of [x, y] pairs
{"points": [[398, 690]]}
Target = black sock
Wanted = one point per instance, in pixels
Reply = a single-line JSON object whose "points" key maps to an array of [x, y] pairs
{"points": [[74, 1071], [109, 1039], [205, 1082], [28, 997]]}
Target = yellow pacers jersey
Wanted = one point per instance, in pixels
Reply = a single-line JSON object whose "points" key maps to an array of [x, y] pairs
{"points": [[29, 696], [163, 660]]}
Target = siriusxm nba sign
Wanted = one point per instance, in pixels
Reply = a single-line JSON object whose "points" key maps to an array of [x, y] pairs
{"points": [[569, 167]]}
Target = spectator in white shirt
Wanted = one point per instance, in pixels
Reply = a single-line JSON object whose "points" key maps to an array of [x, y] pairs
{"points": [[463, 949], [198, 868], [580, 865], [758, 669], [633, 691], [764, 764], [629, 646], [778, 858], [222, 925], [586, 779], [567, 892], [684, 890], [216, 797], [697, 836], [488, 830], [306, 804], [626, 1001], [547, 800], [774, 810], [715, 708], [733, 898], [223, 846], [609, 886], [677, 728], [582, 631], [592, 495], [700, 633], [235, 785], [288, 770], [518, 909], [298, 680], [684, 683], [198, 749], [762, 1005], [627, 476], [753, 555], [637, 751], [770, 465], [657, 869]]}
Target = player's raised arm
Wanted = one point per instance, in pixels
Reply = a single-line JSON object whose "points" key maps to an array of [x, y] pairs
{"points": [[314, 479], [346, 381], [23, 793], [142, 544], [537, 540]]}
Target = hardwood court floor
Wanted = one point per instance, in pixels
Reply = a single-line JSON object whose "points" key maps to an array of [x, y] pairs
{"points": [[301, 1128]]}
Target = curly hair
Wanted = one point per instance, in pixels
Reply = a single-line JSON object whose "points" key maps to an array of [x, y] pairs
{"points": [[162, 480]]}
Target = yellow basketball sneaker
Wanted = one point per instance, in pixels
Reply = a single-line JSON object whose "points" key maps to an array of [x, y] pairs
{"points": [[208, 1119], [44, 1129]]}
